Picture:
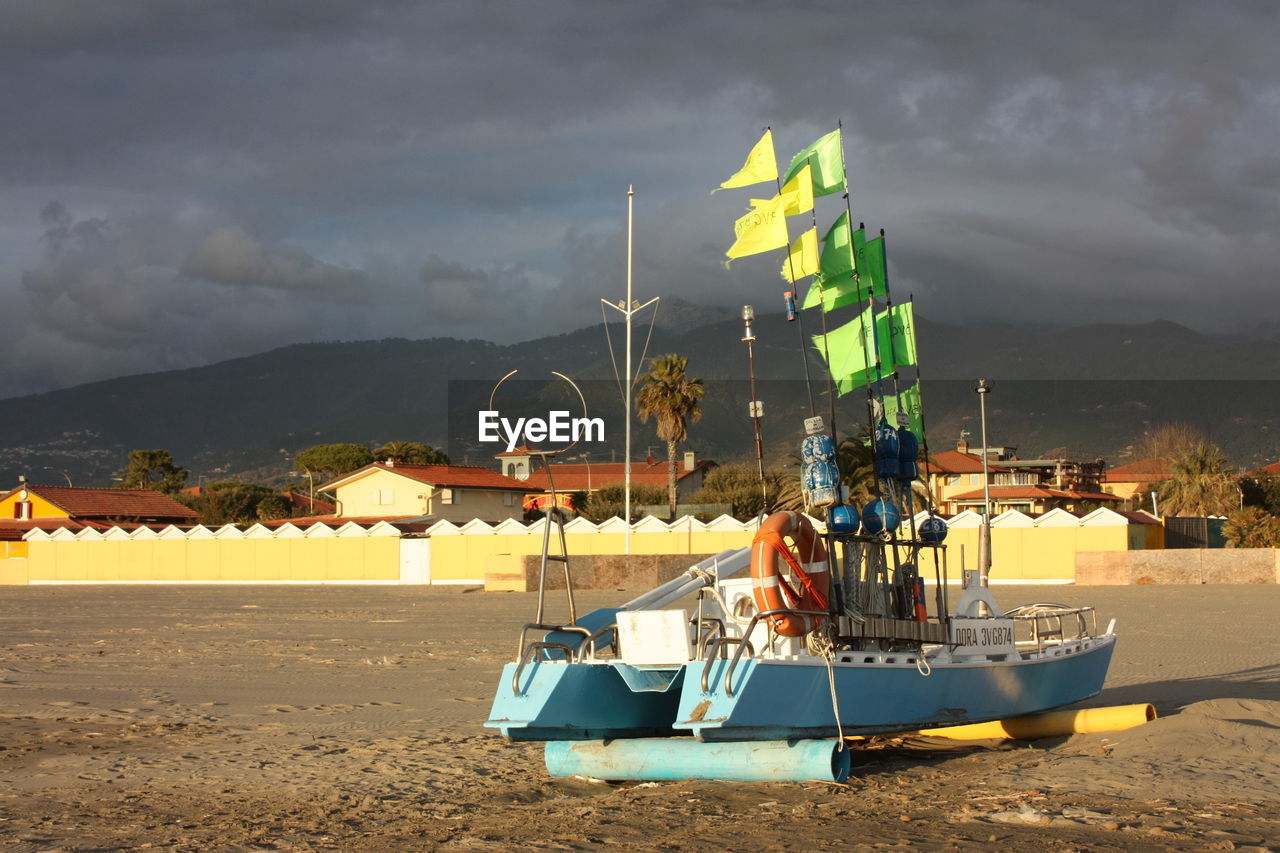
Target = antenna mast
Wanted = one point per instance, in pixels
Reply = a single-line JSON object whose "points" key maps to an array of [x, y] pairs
{"points": [[628, 307]]}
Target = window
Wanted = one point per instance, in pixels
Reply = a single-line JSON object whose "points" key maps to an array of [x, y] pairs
{"points": [[22, 510], [383, 497], [450, 496], [508, 498], [511, 469]]}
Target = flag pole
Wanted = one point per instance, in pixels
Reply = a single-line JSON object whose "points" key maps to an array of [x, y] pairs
{"points": [[804, 348], [857, 278], [628, 308]]}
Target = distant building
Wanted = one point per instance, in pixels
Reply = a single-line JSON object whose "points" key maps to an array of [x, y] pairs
{"points": [[523, 464], [30, 507], [1033, 486], [1272, 470], [1132, 481], [456, 493]]}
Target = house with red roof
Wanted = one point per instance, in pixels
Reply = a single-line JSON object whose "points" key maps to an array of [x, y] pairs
{"points": [[29, 507], [1135, 478], [1272, 470], [956, 482], [458, 493]]}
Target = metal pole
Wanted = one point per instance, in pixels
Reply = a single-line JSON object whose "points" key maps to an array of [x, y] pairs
{"points": [[984, 539], [756, 407], [626, 459]]}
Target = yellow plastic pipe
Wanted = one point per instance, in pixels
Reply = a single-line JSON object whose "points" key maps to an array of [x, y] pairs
{"points": [[1052, 724]]}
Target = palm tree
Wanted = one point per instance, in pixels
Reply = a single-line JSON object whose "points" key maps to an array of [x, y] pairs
{"points": [[410, 453], [671, 398], [1200, 482]]}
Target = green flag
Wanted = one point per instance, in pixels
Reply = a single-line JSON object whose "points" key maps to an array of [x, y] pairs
{"points": [[813, 298], [827, 158], [907, 401], [837, 249], [904, 334], [850, 352], [870, 262]]}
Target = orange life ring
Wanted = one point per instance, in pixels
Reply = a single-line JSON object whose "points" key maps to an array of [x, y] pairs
{"points": [[768, 586]]}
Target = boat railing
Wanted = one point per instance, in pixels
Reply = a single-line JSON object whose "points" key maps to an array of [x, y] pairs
{"points": [[742, 644], [529, 652], [522, 650], [1045, 625]]}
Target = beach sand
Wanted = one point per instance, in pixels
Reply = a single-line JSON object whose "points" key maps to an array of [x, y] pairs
{"points": [[348, 718]]}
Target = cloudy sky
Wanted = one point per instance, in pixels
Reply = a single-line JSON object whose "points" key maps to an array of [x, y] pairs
{"points": [[185, 182]]}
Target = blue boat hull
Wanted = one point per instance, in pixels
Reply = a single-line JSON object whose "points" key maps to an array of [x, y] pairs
{"points": [[555, 700], [779, 699]]}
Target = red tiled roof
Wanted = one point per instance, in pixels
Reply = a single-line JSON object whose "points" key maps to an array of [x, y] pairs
{"points": [[112, 503], [12, 530], [462, 476], [1140, 471], [1272, 470], [575, 476], [300, 501], [1032, 492], [955, 462]]}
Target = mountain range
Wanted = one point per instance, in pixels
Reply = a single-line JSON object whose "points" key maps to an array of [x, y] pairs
{"points": [[1088, 391]]}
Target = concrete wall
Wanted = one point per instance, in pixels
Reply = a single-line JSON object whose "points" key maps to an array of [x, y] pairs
{"points": [[590, 571], [1184, 565]]}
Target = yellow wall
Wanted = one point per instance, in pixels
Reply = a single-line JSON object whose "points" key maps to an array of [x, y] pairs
{"points": [[40, 508], [1032, 553], [1020, 551], [372, 558], [386, 494], [13, 562]]}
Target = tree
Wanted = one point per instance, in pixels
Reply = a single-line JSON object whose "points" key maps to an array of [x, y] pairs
{"points": [[1201, 482], [739, 486], [671, 398], [1168, 440], [858, 463], [152, 469], [1252, 527], [607, 501], [410, 453], [274, 507], [230, 502], [1262, 492], [326, 461]]}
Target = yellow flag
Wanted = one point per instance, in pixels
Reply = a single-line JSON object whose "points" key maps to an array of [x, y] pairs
{"points": [[761, 165], [802, 186], [802, 260], [764, 228]]}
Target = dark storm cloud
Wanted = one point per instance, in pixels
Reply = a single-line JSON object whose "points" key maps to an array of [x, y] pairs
{"points": [[234, 176], [230, 256]]}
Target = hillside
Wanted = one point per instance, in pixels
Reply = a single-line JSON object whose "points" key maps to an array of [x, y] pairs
{"points": [[1091, 390]]}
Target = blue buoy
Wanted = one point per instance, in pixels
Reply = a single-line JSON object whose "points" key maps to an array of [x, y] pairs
{"points": [[886, 444], [843, 518], [908, 450], [932, 530], [880, 515]]}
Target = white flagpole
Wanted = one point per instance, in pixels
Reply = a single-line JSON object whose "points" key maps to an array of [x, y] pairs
{"points": [[628, 308]]}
